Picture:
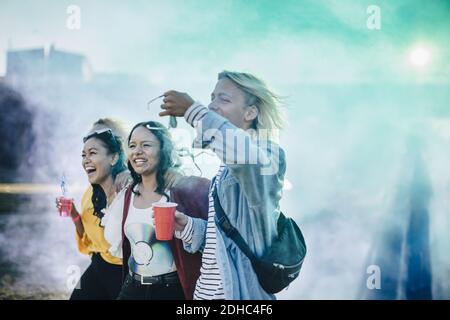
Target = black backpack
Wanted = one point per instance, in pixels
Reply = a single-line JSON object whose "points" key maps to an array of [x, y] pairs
{"points": [[281, 263]]}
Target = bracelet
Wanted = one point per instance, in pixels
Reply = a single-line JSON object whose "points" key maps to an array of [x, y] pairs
{"points": [[78, 217]]}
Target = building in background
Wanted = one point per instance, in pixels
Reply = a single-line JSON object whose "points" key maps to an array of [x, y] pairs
{"points": [[28, 66]]}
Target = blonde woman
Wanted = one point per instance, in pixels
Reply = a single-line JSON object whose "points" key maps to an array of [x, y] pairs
{"points": [[239, 125]]}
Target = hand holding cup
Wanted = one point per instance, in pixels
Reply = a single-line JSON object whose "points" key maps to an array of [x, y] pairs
{"points": [[64, 206], [179, 223]]}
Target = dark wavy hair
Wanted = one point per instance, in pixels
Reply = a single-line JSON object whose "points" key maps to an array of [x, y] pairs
{"points": [[113, 144], [166, 158]]}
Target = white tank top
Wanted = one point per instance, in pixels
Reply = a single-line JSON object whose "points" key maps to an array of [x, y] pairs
{"points": [[149, 257]]}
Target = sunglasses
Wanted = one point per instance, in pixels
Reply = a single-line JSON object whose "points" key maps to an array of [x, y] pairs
{"points": [[97, 133], [149, 127], [173, 120]]}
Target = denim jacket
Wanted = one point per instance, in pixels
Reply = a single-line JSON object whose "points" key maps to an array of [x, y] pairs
{"points": [[249, 192]]}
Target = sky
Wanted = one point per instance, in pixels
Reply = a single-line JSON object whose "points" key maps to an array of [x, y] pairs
{"points": [[291, 42]]}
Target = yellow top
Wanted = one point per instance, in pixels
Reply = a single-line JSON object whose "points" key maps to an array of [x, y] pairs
{"points": [[93, 239]]}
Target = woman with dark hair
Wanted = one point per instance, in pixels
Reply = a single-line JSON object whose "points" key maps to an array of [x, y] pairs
{"points": [[103, 159], [153, 269]]}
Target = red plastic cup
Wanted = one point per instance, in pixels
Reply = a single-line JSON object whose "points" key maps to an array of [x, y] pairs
{"points": [[66, 206], [164, 213]]}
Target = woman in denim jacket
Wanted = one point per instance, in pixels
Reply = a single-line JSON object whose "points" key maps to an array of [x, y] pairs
{"points": [[239, 126]]}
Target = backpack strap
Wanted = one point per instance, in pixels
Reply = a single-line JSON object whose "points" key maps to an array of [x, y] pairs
{"points": [[126, 208], [230, 231], [126, 247]]}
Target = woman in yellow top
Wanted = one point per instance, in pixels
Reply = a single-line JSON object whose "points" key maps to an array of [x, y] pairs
{"points": [[103, 160]]}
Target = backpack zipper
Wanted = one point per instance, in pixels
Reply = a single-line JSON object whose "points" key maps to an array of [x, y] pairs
{"points": [[282, 267]]}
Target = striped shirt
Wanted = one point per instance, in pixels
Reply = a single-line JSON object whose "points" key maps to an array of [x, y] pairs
{"points": [[195, 113], [209, 285]]}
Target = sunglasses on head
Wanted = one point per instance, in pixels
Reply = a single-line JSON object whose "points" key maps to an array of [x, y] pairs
{"points": [[149, 127], [172, 120], [97, 133]]}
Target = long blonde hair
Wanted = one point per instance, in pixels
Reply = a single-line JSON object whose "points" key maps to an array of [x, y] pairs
{"points": [[270, 114]]}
